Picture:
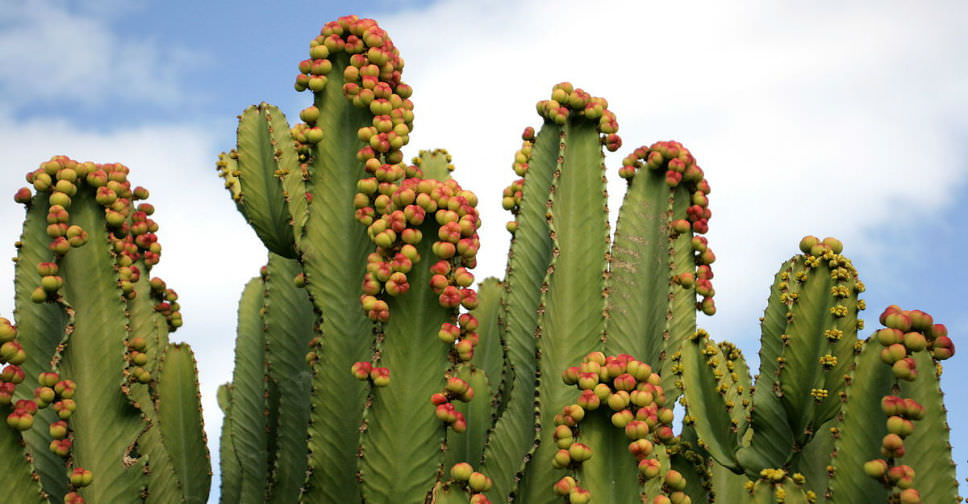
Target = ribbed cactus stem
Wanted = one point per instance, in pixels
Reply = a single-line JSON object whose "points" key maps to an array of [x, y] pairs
{"points": [[897, 373], [354, 74], [514, 432], [20, 478], [657, 237], [809, 329], [571, 312], [716, 389], [425, 234], [289, 321], [91, 248], [621, 408]]}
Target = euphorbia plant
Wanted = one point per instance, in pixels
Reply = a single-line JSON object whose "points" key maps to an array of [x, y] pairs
{"points": [[369, 369]]}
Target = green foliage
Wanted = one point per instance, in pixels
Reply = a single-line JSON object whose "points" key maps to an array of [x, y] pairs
{"points": [[368, 368]]}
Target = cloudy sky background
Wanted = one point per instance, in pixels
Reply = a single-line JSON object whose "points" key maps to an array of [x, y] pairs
{"points": [[825, 119]]}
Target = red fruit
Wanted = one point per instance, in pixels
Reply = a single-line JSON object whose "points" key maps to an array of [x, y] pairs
{"points": [[580, 452], [920, 321], [81, 477], [450, 297], [461, 471], [12, 352], [60, 447], [446, 412], [564, 486], [915, 341], [624, 382], [6, 393], [459, 424], [579, 495], [898, 320], [893, 353], [900, 426], [641, 447], [44, 396], [892, 446], [675, 480], [448, 333], [23, 195], [468, 298], [892, 405], [7, 330], [680, 226], [618, 401], [905, 369], [12, 374], [875, 468], [456, 386], [888, 336], [910, 496], [664, 434], [361, 370], [58, 429], [21, 419], [73, 498], [587, 380], [942, 348], [708, 306], [622, 418], [910, 409], [561, 459], [380, 376], [588, 400], [650, 468], [478, 482], [638, 430], [65, 388]]}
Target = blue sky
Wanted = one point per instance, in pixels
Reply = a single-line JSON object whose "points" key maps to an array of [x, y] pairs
{"points": [[819, 119]]}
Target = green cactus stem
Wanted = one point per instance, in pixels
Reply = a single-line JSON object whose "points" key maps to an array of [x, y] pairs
{"points": [[664, 212], [915, 417], [95, 345]]}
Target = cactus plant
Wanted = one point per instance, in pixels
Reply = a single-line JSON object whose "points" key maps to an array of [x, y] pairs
{"points": [[616, 318], [369, 369], [99, 405]]}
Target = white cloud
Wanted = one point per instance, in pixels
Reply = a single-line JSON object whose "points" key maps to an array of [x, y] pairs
{"points": [[51, 54]]}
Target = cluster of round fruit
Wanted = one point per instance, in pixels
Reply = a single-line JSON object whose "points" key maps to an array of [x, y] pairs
{"points": [[395, 215], [52, 391], [681, 170], [905, 333], [634, 394], [371, 81], [131, 231], [566, 101], [454, 388], [463, 474]]}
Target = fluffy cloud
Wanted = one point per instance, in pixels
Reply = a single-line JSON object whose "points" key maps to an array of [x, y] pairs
{"points": [[49, 53]]}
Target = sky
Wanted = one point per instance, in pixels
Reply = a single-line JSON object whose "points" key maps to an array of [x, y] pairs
{"points": [[809, 118]]}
